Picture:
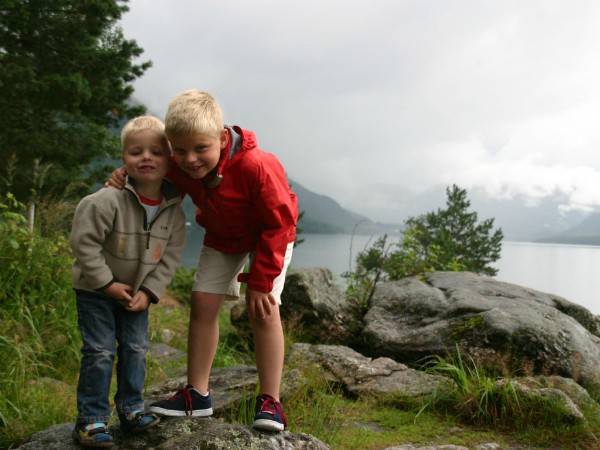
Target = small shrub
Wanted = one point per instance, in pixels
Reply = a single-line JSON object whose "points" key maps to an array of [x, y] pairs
{"points": [[40, 337], [478, 399], [181, 284]]}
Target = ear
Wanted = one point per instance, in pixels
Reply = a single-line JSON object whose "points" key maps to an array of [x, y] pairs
{"points": [[224, 138]]}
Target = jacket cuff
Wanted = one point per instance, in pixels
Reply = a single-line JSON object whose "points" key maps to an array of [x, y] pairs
{"points": [[153, 298], [256, 285], [101, 288]]}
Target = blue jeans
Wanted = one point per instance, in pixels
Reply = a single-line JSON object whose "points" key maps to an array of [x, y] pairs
{"points": [[103, 323]]}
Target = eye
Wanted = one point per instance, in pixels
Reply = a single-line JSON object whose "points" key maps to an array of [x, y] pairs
{"points": [[179, 151]]}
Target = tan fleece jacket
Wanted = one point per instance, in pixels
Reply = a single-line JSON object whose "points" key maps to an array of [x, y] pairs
{"points": [[112, 241]]}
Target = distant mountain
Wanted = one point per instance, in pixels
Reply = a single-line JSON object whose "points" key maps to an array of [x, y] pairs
{"points": [[322, 214], [520, 218], [543, 222], [585, 233], [522, 222]]}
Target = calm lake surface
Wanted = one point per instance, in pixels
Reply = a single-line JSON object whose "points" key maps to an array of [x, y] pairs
{"points": [[570, 271]]}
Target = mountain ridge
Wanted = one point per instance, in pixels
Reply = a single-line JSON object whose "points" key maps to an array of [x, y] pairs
{"points": [[584, 233], [543, 222]]}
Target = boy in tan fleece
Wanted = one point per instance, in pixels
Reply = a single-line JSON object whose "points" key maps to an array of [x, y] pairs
{"points": [[127, 245]]}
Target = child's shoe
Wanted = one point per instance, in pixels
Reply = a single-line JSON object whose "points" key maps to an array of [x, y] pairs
{"points": [[136, 421], [93, 435], [269, 414], [186, 402]]}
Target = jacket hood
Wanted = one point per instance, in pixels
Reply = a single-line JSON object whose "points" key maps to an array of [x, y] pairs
{"points": [[240, 141]]}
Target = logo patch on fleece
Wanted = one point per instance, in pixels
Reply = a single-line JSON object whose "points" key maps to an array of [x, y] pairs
{"points": [[122, 246], [157, 252]]}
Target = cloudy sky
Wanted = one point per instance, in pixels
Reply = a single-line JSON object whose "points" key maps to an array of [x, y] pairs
{"points": [[362, 100]]}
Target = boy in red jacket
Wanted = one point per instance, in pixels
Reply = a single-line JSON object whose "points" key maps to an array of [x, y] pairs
{"points": [[249, 213]]}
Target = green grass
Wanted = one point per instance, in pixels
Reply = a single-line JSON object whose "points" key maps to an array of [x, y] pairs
{"points": [[39, 338]]}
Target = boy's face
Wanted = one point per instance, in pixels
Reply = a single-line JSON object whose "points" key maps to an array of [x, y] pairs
{"points": [[197, 153], [146, 156]]}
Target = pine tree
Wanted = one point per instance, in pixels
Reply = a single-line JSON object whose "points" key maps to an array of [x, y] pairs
{"points": [[446, 239], [65, 80], [452, 239]]}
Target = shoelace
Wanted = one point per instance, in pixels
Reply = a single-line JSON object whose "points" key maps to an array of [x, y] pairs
{"points": [[271, 406], [185, 393]]}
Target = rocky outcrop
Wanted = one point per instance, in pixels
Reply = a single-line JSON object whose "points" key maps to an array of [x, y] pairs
{"points": [[503, 327], [552, 343], [184, 433], [361, 375]]}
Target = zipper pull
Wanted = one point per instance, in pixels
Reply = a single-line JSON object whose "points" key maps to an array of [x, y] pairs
{"points": [[148, 237]]}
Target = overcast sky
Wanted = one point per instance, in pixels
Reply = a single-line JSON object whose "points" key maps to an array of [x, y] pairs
{"points": [[363, 99]]}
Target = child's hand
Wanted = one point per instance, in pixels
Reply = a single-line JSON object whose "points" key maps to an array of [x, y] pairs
{"points": [[139, 302], [117, 178], [119, 291], [259, 303]]}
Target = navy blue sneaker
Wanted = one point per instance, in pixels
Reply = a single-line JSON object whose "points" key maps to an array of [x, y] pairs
{"points": [[186, 402], [269, 414]]}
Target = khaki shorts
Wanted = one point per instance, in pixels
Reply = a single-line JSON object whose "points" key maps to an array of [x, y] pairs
{"points": [[217, 272]]}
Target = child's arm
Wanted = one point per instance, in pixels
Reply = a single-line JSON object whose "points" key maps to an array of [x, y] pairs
{"points": [[278, 210], [91, 224], [117, 178]]}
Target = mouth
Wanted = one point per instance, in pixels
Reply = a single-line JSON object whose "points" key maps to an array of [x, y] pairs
{"points": [[145, 168]]}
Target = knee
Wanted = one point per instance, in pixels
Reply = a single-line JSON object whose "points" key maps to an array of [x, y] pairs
{"points": [[135, 344], [98, 355], [267, 323], [134, 350]]}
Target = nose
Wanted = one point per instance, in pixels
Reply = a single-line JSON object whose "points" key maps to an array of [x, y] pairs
{"points": [[189, 158]]}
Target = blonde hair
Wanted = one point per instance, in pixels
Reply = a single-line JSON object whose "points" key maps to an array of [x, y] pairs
{"points": [[194, 111], [143, 123]]}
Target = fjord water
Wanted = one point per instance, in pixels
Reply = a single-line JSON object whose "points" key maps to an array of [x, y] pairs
{"points": [[570, 271]]}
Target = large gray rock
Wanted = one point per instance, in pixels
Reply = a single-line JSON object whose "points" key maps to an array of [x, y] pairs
{"points": [[359, 374], [501, 326], [184, 433]]}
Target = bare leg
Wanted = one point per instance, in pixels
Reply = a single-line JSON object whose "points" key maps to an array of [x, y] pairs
{"points": [[203, 337], [269, 350]]}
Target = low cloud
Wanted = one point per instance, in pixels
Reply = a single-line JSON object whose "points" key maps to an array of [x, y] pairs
{"points": [[358, 96]]}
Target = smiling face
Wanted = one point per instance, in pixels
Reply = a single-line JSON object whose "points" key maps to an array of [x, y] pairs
{"points": [[197, 153], [146, 156]]}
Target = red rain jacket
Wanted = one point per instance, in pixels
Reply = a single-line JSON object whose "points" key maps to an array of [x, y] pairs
{"points": [[251, 209]]}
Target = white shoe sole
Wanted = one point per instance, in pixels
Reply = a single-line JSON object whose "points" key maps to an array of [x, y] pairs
{"points": [[174, 413], [267, 425]]}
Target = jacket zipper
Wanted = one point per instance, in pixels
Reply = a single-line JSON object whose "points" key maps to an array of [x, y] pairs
{"points": [[148, 226], [148, 237]]}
